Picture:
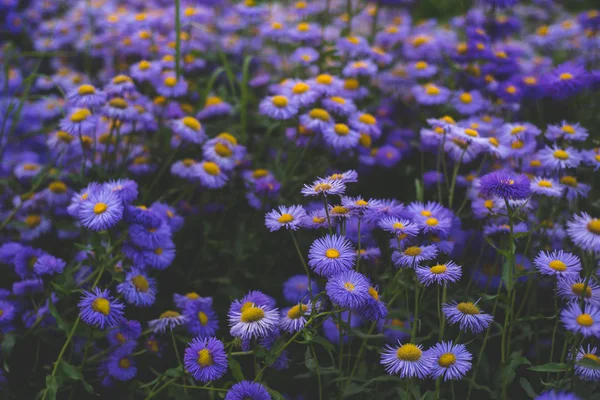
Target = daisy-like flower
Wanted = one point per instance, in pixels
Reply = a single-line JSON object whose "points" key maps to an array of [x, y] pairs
{"points": [[406, 360], [469, 103], [293, 318], [295, 289], [558, 263], [121, 364], [571, 288], [430, 94], [100, 309], [168, 85], [467, 315], [285, 217], [339, 105], [567, 131], [586, 373], [546, 186], [300, 92], [440, 273], [398, 226], [100, 210], [325, 187], [78, 122], [331, 255], [214, 106], [201, 319], [374, 308], [554, 395], [278, 107], [253, 321], [505, 185], [161, 256], [138, 288], [126, 189], [412, 256], [126, 331], [586, 322], [189, 129], [557, 158], [365, 123], [349, 176], [317, 120], [574, 188], [340, 137], [584, 231], [565, 80], [168, 320], [348, 289], [452, 361], [8, 312], [248, 390], [49, 265], [360, 68], [210, 174], [205, 359], [359, 204], [86, 96]]}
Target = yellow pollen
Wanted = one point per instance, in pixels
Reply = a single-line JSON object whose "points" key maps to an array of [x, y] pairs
{"points": [[279, 101], [80, 115], [545, 183], [438, 269], [101, 305], [303, 27], [204, 358], [409, 352], [332, 253], [339, 210], [517, 144], [285, 218], [397, 322], [57, 187], [338, 100], [351, 84], [170, 81], [565, 76], [471, 132], [412, 251], [192, 295], [99, 208], [192, 123], [365, 140], [511, 89], [398, 225], [585, 320], [260, 173], [446, 360], [517, 129], [426, 213], [203, 318], [121, 338], [33, 220], [467, 308], [158, 251], [212, 101], [188, 162], [488, 204], [252, 314], [211, 168], [361, 203], [223, 150], [318, 220], [349, 286], [577, 289], [494, 142], [64, 136], [432, 222], [140, 283], [169, 314], [568, 129], [557, 265], [86, 89], [439, 130], [341, 129], [592, 357], [466, 98], [561, 155], [367, 119], [420, 65], [432, 90], [319, 113], [121, 79], [297, 311], [276, 25], [373, 293], [569, 181], [118, 102], [124, 363], [322, 187], [594, 226], [420, 40], [229, 137], [535, 163], [300, 88], [324, 79], [530, 80]]}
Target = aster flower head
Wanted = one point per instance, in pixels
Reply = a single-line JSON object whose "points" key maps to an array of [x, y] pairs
{"points": [[440, 273], [467, 315], [505, 185], [125, 189], [330, 255], [374, 308], [398, 226], [557, 158], [253, 321], [279, 107], [572, 288], [586, 322], [339, 137], [583, 372], [285, 217], [554, 395], [205, 359], [168, 320], [100, 309], [324, 187], [201, 319], [546, 186], [430, 94], [348, 289], [189, 129], [86, 96], [584, 231], [452, 361], [210, 174], [565, 80], [412, 256], [138, 288], [295, 289], [293, 318], [567, 131], [100, 210], [406, 360], [558, 263], [248, 390], [121, 364], [49, 265]]}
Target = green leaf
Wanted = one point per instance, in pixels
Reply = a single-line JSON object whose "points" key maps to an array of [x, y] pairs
{"points": [[324, 342], [51, 387], [88, 388], [70, 371], [353, 389], [419, 190], [527, 387], [550, 367], [236, 369], [8, 343], [506, 274], [275, 394], [59, 321], [174, 372], [309, 361], [588, 363]]}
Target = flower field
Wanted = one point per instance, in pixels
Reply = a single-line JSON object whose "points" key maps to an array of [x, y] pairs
{"points": [[326, 199]]}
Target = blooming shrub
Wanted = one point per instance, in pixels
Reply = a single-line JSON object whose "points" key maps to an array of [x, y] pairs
{"points": [[301, 200]]}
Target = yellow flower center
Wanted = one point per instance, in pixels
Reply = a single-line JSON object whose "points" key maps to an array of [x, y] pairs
{"points": [[592, 357], [349, 286], [192, 123], [545, 184], [211, 168], [204, 358], [594, 226], [170, 81], [124, 363], [351, 84], [223, 150], [300, 88], [535, 163], [420, 65], [260, 173], [517, 144], [303, 27], [367, 119], [577, 289], [203, 318], [318, 220], [561, 155], [373, 293], [86, 89], [565, 76], [158, 251], [398, 225], [169, 314], [471, 132], [212, 101], [324, 79], [409, 352], [488, 204], [438, 269], [511, 89], [339, 100], [341, 129], [412, 251], [57, 187], [121, 79], [432, 90], [80, 115], [33, 220], [530, 80], [557, 265], [446, 360], [585, 320], [118, 102], [432, 222], [279, 101], [192, 295], [297, 311], [321, 187], [332, 253], [252, 314], [101, 305], [568, 129], [467, 308], [339, 210], [285, 218], [140, 283], [569, 181], [361, 203], [319, 113], [99, 208]]}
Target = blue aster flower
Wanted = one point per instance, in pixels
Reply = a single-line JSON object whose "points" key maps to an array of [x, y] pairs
{"points": [[452, 361], [161, 256], [557, 158], [248, 390], [101, 210], [149, 238], [586, 373], [125, 189], [138, 288], [121, 364], [412, 256], [189, 129], [440, 273], [584, 231], [406, 360], [295, 289], [28, 287], [79, 122], [168, 320], [278, 107], [558, 263], [286, 217], [210, 174], [100, 309], [293, 319], [565, 80], [571, 288], [586, 322], [49, 265], [348, 289], [253, 321], [331, 255], [8, 312], [127, 330], [505, 185], [467, 315], [205, 359], [201, 319], [374, 308]]}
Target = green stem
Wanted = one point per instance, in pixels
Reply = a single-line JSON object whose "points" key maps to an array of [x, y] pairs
{"points": [[314, 354], [310, 293], [442, 317], [413, 334], [177, 38], [327, 213]]}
